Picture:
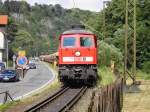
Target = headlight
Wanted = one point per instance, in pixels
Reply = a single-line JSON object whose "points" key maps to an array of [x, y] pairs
{"points": [[77, 53]]}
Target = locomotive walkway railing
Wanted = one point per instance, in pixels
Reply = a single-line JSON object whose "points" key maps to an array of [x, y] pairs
{"points": [[6, 96], [108, 99]]}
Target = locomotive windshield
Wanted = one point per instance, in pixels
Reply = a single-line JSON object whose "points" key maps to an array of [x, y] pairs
{"points": [[86, 42], [69, 42]]}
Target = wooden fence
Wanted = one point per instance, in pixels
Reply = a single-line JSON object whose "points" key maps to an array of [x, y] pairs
{"points": [[108, 99]]}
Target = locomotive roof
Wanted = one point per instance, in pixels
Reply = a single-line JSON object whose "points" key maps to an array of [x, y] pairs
{"points": [[75, 31]]}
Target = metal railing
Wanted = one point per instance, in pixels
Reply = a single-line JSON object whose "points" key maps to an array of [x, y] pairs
{"points": [[108, 99], [6, 96]]}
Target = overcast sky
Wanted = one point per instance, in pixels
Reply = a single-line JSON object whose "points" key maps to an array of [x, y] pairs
{"points": [[93, 5]]}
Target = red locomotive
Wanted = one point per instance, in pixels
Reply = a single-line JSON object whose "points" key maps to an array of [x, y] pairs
{"points": [[77, 56]]}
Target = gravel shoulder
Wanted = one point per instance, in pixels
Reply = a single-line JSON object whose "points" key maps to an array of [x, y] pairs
{"points": [[138, 101], [83, 104]]}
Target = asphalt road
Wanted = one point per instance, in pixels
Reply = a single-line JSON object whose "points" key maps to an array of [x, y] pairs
{"points": [[34, 79]]}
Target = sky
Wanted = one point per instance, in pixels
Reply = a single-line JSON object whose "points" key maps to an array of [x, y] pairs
{"points": [[92, 5]]}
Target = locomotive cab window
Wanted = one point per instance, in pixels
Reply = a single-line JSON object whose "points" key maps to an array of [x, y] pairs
{"points": [[69, 41], [86, 42]]}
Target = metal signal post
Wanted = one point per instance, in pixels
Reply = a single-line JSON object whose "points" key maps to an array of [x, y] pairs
{"points": [[130, 26]]}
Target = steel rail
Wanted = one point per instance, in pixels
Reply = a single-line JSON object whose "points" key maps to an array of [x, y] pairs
{"points": [[74, 100], [47, 101], [66, 106]]}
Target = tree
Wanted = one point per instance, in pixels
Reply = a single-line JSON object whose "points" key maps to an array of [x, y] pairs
{"points": [[24, 40]]}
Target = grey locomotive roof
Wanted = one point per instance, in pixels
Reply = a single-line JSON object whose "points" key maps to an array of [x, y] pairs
{"points": [[77, 31]]}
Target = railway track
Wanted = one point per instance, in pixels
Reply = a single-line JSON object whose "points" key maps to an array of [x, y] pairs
{"points": [[63, 100]]}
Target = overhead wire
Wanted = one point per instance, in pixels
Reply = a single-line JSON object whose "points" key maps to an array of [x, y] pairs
{"points": [[74, 4]]}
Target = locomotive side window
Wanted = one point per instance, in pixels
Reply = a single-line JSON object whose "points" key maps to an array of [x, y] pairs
{"points": [[69, 41], [86, 42]]}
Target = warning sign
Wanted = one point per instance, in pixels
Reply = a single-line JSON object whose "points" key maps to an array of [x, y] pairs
{"points": [[22, 53]]}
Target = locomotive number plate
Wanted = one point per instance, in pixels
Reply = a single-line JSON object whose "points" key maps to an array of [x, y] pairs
{"points": [[77, 59]]}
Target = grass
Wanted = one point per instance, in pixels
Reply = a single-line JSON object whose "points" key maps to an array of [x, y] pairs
{"points": [[5, 106], [53, 67], [106, 76], [142, 75]]}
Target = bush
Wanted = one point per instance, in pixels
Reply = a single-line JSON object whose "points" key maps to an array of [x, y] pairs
{"points": [[105, 76], [108, 53], [146, 67]]}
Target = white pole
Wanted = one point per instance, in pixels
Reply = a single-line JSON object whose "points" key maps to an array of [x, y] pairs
{"points": [[7, 52]]}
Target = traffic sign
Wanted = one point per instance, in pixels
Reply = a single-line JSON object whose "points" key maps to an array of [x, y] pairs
{"points": [[22, 61], [14, 57], [22, 53]]}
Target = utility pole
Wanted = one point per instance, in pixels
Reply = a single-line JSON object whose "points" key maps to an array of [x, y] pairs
{"points": [[105, 2], [130, 25], [125, 41], [104, 20], [134, 40]]}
